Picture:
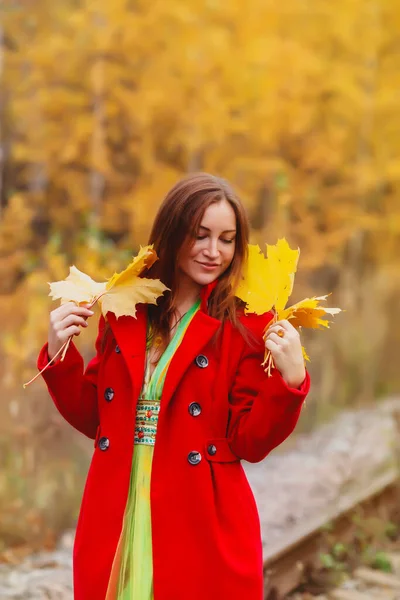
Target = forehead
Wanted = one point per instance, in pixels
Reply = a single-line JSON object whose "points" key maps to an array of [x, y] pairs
{"points": [[219, 215]]}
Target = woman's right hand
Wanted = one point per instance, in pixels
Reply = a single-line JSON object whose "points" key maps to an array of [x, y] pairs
{"points": [[65, 321]]}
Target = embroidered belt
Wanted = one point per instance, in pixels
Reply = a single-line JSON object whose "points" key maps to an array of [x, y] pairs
{"points": [[147, 412]]}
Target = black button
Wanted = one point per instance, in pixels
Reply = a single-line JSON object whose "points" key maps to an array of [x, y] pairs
{"points": [[108, 394], [212, 449], [202, 361], [117, 349], [104, 443], [194, 409], [194, 458]]}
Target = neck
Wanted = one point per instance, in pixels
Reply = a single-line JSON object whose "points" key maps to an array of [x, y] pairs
{"points": [[188, 292]]}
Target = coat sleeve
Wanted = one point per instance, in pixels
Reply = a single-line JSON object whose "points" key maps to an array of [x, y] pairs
{"points": [[263, 410], [74, 389]]}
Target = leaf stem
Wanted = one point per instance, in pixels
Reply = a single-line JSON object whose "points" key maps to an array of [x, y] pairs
{"points": [[63, 348], [97, 298], [268, 362], [48, 364], [66, 348]]}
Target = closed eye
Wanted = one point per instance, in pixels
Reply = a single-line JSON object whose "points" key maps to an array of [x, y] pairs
{"points": [[203, 237]]}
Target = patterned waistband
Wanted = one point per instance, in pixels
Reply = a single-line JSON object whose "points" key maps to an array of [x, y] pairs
{"points": [[147, 412]]}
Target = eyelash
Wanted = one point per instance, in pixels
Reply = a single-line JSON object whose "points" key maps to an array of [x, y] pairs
{"points": [[203, 237]]}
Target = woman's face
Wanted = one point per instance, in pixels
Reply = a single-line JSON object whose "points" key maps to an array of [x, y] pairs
{"points": [[214, 246]]}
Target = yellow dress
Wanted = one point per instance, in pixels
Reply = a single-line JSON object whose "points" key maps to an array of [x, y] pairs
{"points": [[132, 571]]}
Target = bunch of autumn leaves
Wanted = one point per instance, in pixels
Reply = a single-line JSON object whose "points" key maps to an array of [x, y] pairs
{"points": [[266, 286]]}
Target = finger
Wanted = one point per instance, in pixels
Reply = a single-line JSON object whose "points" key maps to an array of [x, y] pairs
{"points": [[72, 320], [64, 309], [73, 330], [83, 311], [67, 305], [279, 341], [71, 308], [271, 345], [286, 325], [277, 329], [87, 306]]}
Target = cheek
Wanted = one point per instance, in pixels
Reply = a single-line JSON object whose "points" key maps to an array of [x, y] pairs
{"points": [[186, 261], [196, 249], [228, 254]]}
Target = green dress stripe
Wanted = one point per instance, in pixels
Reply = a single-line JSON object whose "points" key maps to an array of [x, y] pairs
{"points": [[132, 571]]}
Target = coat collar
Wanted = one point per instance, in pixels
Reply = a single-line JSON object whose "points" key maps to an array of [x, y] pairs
{"points": [[130, 334], [206, 293]]}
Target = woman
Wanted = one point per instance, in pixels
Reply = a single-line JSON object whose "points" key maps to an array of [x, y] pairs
{"points": [[186, 374]]}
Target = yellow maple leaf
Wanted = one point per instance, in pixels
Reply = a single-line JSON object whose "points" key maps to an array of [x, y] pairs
{"points": [[145, 259], [308, 313], [268, 282], [254, 288], [282, 262], [267, 285], [127, 289], [77, 287], [119, 294]]}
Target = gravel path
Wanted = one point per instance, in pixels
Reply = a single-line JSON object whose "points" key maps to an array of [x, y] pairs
{"points": [[47, 575], [320, 470], [290, 486]]}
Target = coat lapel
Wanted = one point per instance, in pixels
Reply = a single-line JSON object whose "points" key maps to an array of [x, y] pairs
{"points": [[198, 334], [130, 334]]}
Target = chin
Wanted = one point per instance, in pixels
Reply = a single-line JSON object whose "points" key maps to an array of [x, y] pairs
{"points": [[204, 278]]}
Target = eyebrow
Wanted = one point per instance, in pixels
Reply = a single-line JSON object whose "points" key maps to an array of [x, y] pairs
{"points": [[226, 230]]}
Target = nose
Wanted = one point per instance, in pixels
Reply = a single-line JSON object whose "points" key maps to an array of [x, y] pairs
{"points": [[211, 250]]}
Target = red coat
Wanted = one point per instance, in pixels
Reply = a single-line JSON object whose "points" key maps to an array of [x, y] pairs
{"points": [[205, 525]]}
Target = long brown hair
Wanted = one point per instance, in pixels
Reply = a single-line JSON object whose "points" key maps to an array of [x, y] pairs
{"points": [[178, 219]]}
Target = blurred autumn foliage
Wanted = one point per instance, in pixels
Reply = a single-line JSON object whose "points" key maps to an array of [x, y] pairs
{"points": [[104, 105]]}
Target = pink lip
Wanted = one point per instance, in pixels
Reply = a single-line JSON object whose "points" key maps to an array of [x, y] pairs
{"points": [[208, 266]]}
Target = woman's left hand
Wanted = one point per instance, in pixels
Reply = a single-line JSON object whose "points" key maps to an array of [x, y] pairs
{"points": [[283, 341]]}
